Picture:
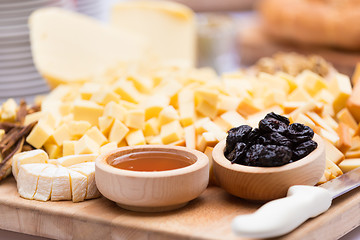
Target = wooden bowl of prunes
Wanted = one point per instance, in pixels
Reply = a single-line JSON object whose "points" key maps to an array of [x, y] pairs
{"points": [[262, 163]]}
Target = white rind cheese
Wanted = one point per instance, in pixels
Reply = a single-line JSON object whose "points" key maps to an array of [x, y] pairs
{"points": [[78, 186], [61, 186], [44, 186], [27, 180], [88, 170]]}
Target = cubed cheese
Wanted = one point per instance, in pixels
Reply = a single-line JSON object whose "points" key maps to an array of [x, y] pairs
{"points": [[118, 131], [87, 111], [135, 137], [86, 145], [171, 132]]}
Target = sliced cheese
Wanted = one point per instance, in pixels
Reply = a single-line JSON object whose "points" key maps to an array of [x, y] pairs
{"points": [[88, 170], [61, 186], [78, 184], [27, 179], [34, 156], [44, 187]]}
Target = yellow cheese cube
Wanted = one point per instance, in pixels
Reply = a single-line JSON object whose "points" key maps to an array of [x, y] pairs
{"points": [[60, 134], [190, 137], [104, 96], [333, 168], [273, 80], [211, 96], [135, 137], [105, 124], [68, 148], [227, 103], [88, 89], [332, 136], [233, 119], [8, 110], [247, 107], [39, 135], [171, 132], [154, 140], [340, 87], [86, 145], [78, 128], [333, 154], [118, 131], [87, 111], [349, 164], [207, 139], [302, 118], [325, 96], [311, 82], [135, 118], [289, 79], [289, 106], [299, 95], [127, 91], [108, 147], [115, 110], [151, 127], [54, 151], [154, 104], [95, 134], [186, 103], [51, 119], [207, 109], [168, 114], [273, 97], [345, 116], [210, 126], [33, 117], [141, 83]]}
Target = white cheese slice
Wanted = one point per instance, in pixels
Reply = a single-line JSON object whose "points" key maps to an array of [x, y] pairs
{"points": [[27, 179], [71, 47], [34, 156], [88, 170], [169, 28], [76, 159], [61, 187], [78, 185], [44, 186]]}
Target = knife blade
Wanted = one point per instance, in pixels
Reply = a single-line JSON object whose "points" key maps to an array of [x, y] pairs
{"points": [[283, 215]]}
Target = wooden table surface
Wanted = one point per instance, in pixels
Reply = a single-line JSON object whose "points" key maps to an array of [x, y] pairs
{"points": [[207, 217]]}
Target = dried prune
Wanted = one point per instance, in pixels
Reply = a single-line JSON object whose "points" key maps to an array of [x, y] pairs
{"points": [[278, 117], [272, 125], [238, 134], [238, 153], [303, 149], [299, 133], [268, 156], [274, 138], [253, 136]]}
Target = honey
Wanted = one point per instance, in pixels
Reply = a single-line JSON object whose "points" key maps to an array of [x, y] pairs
{"points": [[151, 161]]}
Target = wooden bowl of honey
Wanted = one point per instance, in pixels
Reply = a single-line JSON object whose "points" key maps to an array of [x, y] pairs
{"points": [[267, 183], [152, 178]]}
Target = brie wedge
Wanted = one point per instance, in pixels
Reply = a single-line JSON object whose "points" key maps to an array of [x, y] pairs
{"points": [[44, 186], [27, 179], [78, 185], [88, 170], [61, 187], [34, 156]]}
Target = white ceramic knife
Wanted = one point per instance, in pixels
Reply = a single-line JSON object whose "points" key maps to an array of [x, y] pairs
{"points": [[283, 215]]}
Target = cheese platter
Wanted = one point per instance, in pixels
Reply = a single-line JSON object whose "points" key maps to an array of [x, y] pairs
{"points": [[110, 100]]}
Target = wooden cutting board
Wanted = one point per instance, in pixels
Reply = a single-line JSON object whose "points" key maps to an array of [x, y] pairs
{"points": [[253, 44], [207, 217]]}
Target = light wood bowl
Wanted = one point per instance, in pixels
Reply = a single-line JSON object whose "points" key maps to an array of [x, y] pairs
{"points": [[152, 191], [267, 183]]}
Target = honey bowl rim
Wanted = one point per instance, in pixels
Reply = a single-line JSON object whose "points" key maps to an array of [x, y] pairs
{"points": [[221, 160], [200, 161]]}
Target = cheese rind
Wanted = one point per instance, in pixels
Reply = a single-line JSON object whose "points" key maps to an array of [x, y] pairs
{"points": [[88, 170], [76, 159], [34, 156], [61, 186], [78, 183], [44, 186], [27, 179]]}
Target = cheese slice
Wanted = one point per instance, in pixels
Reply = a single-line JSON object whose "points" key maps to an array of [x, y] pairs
{"points": [[78, 184], [76, 159], [27, 179], [61, 187], [34, 156], [70, 47], [169, 28], [88, 170], [44, 186]]}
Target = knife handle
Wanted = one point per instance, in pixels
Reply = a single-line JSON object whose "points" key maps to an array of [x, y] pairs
{"points": [[283, 215]]}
